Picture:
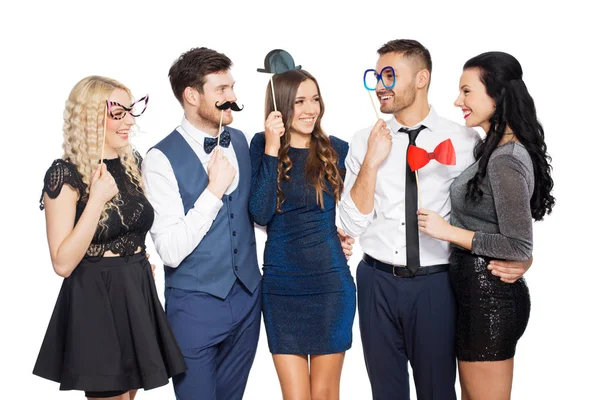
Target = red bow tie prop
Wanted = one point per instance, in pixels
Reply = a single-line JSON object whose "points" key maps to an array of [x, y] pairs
{"points": [[444, 154]]}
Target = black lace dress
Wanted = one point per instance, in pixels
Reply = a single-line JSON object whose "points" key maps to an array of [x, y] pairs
{"points": [[108, 331]]}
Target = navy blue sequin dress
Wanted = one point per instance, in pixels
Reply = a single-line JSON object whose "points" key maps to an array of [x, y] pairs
{"points": [[309, 296]]}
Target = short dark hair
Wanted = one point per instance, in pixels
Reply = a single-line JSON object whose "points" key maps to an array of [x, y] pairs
{"points": [[410, 49], [191, 68]]}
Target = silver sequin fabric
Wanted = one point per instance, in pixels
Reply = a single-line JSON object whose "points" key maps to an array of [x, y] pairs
{"points": [[492, 315]]}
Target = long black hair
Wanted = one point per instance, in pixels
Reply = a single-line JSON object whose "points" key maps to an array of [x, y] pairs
{"points": [[502, 77]]}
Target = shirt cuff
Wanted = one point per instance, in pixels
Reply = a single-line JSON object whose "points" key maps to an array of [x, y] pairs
{"points": [[208, 204], [351, 208]]}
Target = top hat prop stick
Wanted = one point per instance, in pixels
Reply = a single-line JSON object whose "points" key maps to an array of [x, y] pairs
{"points": [[418, 158], [277, 62]]}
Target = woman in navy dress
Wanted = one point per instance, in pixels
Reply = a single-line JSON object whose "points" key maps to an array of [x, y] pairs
{"points": [[309, 296]]}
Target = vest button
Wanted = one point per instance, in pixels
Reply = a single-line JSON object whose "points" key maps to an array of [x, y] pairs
{"points": [[235, 251], [236, 267], [230, 198], [231, 215], [234, 233]]}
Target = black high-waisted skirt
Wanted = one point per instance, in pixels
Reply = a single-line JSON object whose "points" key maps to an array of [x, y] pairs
{"points": [[108, 331], [491, 314]]}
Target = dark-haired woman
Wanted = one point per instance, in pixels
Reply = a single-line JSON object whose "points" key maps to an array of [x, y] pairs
{"points": [[493, 203], [309, 296]]}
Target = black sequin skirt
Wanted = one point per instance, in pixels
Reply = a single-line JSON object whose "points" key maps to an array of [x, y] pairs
{"points": [[108, 331], [492, 315]]}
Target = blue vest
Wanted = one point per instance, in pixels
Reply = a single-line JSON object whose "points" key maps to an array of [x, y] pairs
{"points": [[228, 251]]}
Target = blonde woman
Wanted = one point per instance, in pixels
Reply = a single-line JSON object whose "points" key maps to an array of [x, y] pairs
{"points": [[108, 334]]}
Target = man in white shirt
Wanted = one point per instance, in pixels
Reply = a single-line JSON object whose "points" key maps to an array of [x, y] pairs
{"points": [[198, 181], [405, 300]]}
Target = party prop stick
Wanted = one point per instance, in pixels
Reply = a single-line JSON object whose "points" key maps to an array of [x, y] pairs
{"points": [[418, 190], [273, 92], [220, 125], [103, 137], [277, 62], [418, 158], [373, 104], [226, 105]]}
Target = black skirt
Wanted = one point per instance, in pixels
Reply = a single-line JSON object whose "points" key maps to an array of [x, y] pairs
{"points": [[108, 331], [491, 315]]}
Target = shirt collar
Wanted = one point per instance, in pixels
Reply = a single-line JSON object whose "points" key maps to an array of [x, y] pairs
{"points": [[195, 133], [430, 121]]}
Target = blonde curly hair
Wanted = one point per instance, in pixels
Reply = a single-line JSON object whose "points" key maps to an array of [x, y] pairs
{"points": [[82, 131]]}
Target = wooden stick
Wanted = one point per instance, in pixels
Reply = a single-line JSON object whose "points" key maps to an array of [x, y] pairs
{"points": [[103, 138], [418, 190], [273, 92], [219, 133], [373, 104]]}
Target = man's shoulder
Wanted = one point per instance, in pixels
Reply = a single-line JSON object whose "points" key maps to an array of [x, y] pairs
{"points": [[237, 132], [458, 131]]}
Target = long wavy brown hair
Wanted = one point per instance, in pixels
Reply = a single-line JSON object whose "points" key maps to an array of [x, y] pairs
{"points": [[321, 166]]}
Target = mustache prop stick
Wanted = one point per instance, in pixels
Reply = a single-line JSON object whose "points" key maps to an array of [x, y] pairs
{"points": [[277, 62], [226, 105]]}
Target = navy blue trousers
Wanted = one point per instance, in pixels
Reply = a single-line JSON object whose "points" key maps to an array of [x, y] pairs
{"points": [[407, 320], [218, 339]]}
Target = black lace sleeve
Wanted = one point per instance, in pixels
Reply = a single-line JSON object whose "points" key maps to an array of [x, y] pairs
{"points": [[61, 172]]}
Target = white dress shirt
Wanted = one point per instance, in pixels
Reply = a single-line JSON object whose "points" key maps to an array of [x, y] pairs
{"points": [[383, 231], [176, 234]]}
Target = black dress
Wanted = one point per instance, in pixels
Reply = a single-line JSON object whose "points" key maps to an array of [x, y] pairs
{"points": [[108, 331]]}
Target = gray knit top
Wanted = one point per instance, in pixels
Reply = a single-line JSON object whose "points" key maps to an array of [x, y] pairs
{"points": [[501, 218]]}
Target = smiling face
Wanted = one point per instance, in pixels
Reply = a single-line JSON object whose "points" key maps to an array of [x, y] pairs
{"points": [[404, 92], [118, 130], [307, 108], [477, 106], [201, 108]]}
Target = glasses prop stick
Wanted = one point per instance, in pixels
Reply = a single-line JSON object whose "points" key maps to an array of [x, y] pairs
{"points": [[371, 79], [104, 135], [118, 111]]}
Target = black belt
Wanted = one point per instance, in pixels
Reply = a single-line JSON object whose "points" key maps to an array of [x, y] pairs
{"points": [[401, 271]]}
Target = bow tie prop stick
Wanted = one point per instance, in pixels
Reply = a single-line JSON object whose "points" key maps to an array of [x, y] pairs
{"points": [[418, 158], [225, 106], [277, 62]]}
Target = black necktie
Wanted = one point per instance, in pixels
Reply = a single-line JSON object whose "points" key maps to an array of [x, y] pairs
{"points": [[211, 143], [413, 261]]}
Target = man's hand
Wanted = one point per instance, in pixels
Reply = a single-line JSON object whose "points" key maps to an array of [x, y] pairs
{"points": [[347, 242], [151, 265], [509, 271]]}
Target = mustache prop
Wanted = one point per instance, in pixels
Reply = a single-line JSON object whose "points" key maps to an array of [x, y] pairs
{"points": [[229, 104]]}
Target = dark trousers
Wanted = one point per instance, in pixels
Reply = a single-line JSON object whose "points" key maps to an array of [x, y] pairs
{"points": [[407, 320], [218, 339]]}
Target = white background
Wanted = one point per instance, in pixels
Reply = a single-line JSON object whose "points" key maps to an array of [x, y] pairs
{"points": [[46, 47]]}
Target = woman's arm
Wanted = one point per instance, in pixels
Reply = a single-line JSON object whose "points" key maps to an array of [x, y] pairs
{"points": [[69, 244]]}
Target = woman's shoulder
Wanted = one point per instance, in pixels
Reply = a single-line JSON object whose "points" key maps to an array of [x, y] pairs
{"points": [[339, 145], [511, 154], [59, 173], [258, 139]]}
